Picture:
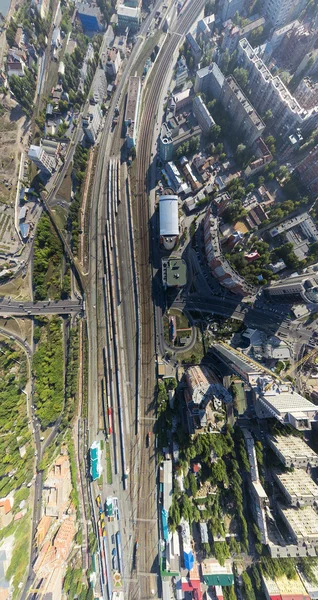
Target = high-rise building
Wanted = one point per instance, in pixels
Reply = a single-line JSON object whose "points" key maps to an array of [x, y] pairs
{"points": [[281, 12], [307, 170], [269, 92], [181, 72], [41, 159], [230, 7], [128, 17], [202, 115], [296, 43], [306, 93], [302, 288]]}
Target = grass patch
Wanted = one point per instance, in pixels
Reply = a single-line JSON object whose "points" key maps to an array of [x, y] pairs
{"points": [[182, 320], [20, 557], [64, 192], [195, 355], [60, 214], [109, 474]]}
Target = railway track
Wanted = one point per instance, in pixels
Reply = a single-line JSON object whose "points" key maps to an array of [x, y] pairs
{"points": [[147, 506]]}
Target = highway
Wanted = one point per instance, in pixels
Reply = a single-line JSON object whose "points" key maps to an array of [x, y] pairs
{"points": [[48, 307]]}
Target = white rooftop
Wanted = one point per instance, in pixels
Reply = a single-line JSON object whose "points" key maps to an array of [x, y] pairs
{"points": [[302, 521], [168, 213], [298, 483]]}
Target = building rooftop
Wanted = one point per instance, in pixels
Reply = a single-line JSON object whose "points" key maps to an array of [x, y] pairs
{"points": [[283, 400], [216, 574], [250, 110], [283, 587], [298, 483], [132, 98], [167, 484], [128, 11], [293, 448], [302, 521], [168, 213], [174, 272]]}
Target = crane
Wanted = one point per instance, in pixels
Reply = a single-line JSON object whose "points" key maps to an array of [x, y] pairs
{"points": [[301, 361]]}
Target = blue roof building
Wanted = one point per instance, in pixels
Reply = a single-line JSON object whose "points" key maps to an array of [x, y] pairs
{"points": [[90, 17], [95, 461]]}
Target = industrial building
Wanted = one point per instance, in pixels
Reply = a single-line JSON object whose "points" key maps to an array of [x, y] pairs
{"points": [[237, 363], [173, 174], [90, 17], [95, 456], [128, 17], [166, 480], [215, 574], [293, 290], [169, 221], [174, 272], [132, 110], [301, 523], [293, 452], [202, 115], [282, 402], [41, 159], [298, 487]]}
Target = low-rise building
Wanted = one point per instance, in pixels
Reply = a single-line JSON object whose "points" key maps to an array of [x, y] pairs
{"points": [[165, 143], [204, 532], [132, 110], [128, 17], [174, 272], [215, 574], [284, 588], [89, 16], [204, 397], [300, 231], [166, 480], [293, 452], [173, 174], [298, 487]]}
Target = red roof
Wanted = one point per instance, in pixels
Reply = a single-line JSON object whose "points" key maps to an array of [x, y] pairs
{"points": [[6, 504], [196, 467]]}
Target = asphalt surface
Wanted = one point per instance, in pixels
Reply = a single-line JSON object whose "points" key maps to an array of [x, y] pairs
{"points": [[25, 309]]}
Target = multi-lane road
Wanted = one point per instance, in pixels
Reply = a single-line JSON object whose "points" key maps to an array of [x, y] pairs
{"points": [[48, 307]]}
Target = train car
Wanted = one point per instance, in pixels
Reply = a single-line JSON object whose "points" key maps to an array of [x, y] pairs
{"points": [[118, 182], [119, 553], [110, 419]]}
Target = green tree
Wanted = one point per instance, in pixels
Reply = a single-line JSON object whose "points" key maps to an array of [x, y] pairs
{"points": [[241, 76]]}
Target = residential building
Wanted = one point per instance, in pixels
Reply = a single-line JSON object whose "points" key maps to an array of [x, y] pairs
{"points": [[306, 93], [181, 72], [263, 157], [111, 61], [204, 532], [41, 159], [210, 80], [280, 12], [219, 266], [174, 272], [89, 16], [194, 48], [91, 123], [169, 221], [132, 110], [231, 35], [298, 487], [182, 99], [297, 42], [56, 37], [205, 28], [202, 115], [301, 288], [128, 17], [302, 524], [269, 92], [245, 118], [215, 574], [300, 231], [307, 170], [15, 67], [228, 8], [293, 452], [173, 176]]}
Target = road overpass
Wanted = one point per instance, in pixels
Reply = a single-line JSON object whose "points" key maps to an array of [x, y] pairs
{"points": [[11, 308]]}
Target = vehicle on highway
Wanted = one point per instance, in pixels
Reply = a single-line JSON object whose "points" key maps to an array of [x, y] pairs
{"points": [[148, 438], [98, 501]]}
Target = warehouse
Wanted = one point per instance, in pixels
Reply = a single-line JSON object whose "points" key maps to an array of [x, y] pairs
{"points": [[169, 221], [293, 452], [301, 523], [298, 487]]}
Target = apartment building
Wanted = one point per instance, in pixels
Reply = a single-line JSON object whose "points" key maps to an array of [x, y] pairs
{"points": [[269, 92], [302, 288], [281, 12], [307, 170], [302, 524], [194, 48], [128, 16], [111, 61], [233, 34], [181, 72], [296, 43], [202, 115], [306, 93], [228, 8], [245, 118], [41, 159]]}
